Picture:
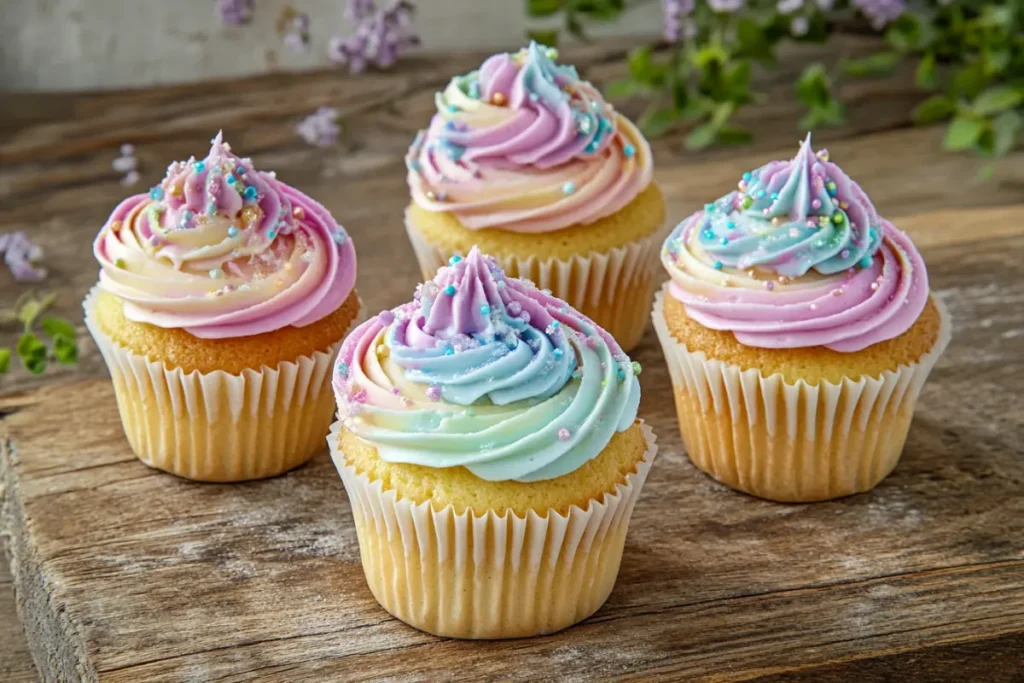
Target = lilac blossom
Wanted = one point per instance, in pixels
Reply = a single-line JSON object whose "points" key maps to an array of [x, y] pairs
{"points": [[675, 11], [297, 37], [127, 163], [235, 12], [320, 128], [21, 255], [880, 12], [380, 36]]}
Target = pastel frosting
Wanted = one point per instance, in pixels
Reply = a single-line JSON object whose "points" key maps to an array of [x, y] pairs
{"points": [[488, 373], [223, 250], [525, 145], [797, 256]]}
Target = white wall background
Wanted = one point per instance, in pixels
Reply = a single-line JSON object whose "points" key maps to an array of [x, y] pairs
{"points": [[86, 44]]}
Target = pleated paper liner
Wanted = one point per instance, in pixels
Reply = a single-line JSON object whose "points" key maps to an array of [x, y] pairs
{"points": [[613, 288], [489, 576], [792, 442], [218, 426]]}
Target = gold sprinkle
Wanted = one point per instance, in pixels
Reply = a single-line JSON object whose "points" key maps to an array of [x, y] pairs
{"points": [[382, 351], [430, 195], [498, 99], [783, 279], [177, 190], [251, 213], [116, 225], [844, 205], [288, 266], [298, 212]]}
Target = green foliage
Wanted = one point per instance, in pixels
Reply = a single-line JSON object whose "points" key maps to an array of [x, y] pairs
{"points": [[969, 55], [33, 352]]}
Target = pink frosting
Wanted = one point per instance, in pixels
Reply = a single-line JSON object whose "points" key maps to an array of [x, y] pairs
{"points": [[223, 250], [524, 145]]}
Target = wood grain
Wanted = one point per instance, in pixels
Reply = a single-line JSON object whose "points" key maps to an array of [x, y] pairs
{"points": [[125, 574]]}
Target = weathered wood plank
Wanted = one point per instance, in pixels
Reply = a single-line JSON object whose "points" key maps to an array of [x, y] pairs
{"points": [[263, 581]]}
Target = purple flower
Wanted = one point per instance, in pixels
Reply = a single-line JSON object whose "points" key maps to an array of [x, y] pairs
{"points": [[297, 37], [380, 36], [726, 6], [235, 12], [20, 255], [128, 164], [320, 128], [880, 12], [675, 11]]}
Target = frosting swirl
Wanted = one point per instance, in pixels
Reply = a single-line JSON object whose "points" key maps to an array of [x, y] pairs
{"points": [[223, 250], [797, 257], [487, 373], [525, 145]]}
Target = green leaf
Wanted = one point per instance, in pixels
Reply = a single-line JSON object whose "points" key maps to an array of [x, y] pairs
{"points": [[32, 353], [1005, 129], [66, 349], [935, 108], [549, 38], [59, 326], [642, 67], [878, 64], [5, 360], [985, 173], [995, 59], [752, 41], [962, 134], [830, 114], [970, 80], [737, 79], [29, 311], [721, 114], [927, 77], [997, 99], [659, 122], [728, 135], [709, 55], [701, 136], [543, 8], [813, 88], [624, 87], [601, 10]]}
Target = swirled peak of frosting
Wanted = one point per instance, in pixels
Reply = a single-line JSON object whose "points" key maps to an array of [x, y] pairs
{"points": [[223, 250], [488, 373], [797, 257], [524, 145]]}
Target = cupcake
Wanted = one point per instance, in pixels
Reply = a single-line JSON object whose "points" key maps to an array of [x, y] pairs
{"points": [[528, 162], [798, 331], [489, 445], [222, 299]]}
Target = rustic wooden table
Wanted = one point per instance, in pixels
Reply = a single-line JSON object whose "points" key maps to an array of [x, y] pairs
{"points": [[121, 573]]}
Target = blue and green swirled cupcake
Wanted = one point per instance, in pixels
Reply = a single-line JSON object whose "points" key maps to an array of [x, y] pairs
{"points": [[486, 398]]}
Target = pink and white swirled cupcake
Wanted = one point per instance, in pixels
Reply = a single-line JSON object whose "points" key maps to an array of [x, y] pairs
{"points": [[527, 161], [223, 295], [798, 330]]}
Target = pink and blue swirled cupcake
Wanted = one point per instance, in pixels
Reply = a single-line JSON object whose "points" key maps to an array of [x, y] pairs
{"points": [[490, 448], [798, 329], [527, 161], [223, 295]]}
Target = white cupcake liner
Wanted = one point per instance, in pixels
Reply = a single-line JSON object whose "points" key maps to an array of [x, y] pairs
{"points": [[792, 442], [614, 288], [218, 426], [493, 575]]}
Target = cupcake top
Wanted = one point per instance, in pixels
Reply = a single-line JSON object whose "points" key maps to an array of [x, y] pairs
{"points": [[488, 373], [796, 257], [223, 250], [525, 145]]}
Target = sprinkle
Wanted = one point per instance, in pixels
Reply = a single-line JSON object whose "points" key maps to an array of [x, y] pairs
{"points": [[449, 351], [774, 196], [431, 196], [342, 368], [747, 177], [783, 279], [717, 265], [454, 259], [769, 285], [794, 232], [485, 310], [156, 193], [299, 212], [831, 187], [710, 208], [154, 240], [563, 434], [216, 273], [232, 231], [386, 317], [272, 234], [569, 187], [636, 367], [498, 99], [874, 286], [628, 150], [279, 283], [250, 192], [240, 170], [845, 253], [231, 180], [591, 342], [434, 392], [866, 261], [844, 205], [746, 202], [199, 166], [814, 307], [120, 263], [837, 218], [815, 204], [558, 353], [338, 236], [450, 290], [759, 194], [837, 292], [452, 108]]}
